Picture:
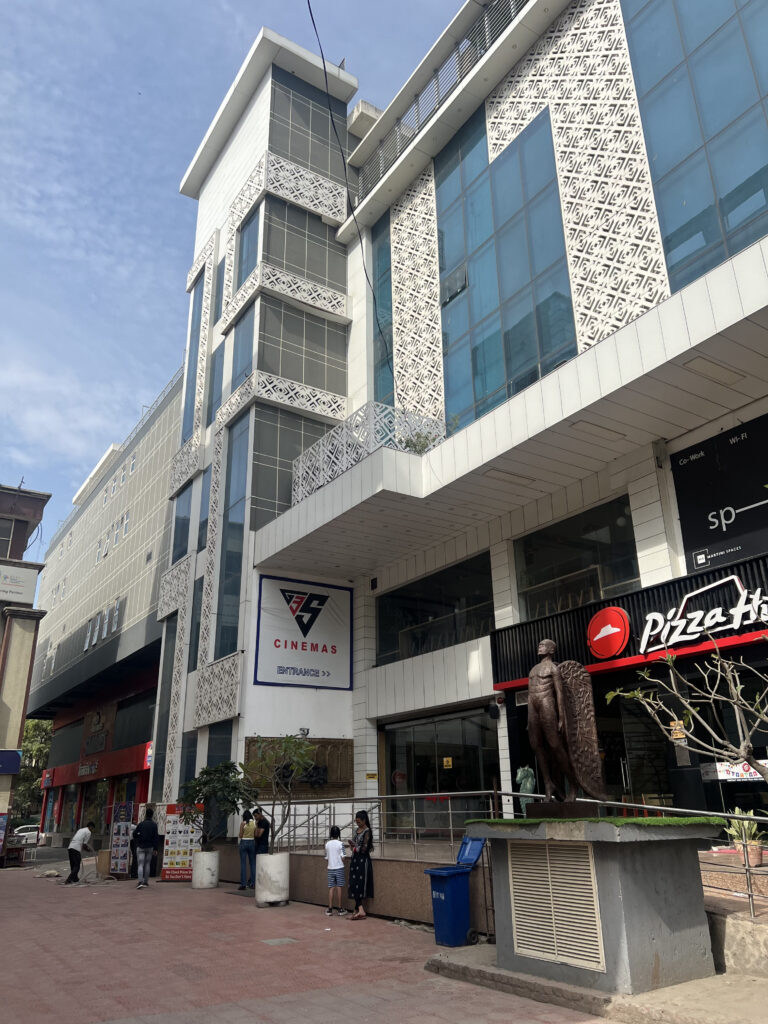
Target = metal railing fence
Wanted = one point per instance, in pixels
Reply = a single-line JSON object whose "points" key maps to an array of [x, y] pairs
{"points": [[430, 826], [495, 18]]}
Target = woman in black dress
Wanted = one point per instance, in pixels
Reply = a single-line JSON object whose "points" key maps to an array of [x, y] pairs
{"points": [[361, 870]]}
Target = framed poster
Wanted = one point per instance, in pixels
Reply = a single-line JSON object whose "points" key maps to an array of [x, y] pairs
{"points": [[304, 634], [722, 496]]}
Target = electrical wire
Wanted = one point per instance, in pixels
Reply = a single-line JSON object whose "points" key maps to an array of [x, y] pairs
{"points": [[382, 335]]}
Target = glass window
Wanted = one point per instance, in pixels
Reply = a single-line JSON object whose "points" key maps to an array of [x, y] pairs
{"points": [[446, 608], [247, 248], [707, 156], [218, 294], [657, 44], [280, 437], [194, 628], [133, 720], [188, 756], [181, 516], [215, 382], [723, 79], [205, 501], [519, 196], [740, 168], [302, 347], [587, 557], [193, 348], [671, 123], [230, 571], [163, 710], [219, 743]]}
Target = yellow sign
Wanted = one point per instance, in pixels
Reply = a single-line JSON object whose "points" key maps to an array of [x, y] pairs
{"points": [[447, 762], [677, 731], [371, 776]]}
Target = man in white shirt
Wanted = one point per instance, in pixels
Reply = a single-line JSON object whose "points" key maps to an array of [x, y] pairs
{"points": [[80, 839]]}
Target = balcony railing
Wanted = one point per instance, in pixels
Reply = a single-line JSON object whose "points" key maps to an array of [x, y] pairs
{"points": [[496, 17], [371, 427]]}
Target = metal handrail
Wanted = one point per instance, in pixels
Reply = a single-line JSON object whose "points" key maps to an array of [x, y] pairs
{"points": [[496, 17], [500, 804]]}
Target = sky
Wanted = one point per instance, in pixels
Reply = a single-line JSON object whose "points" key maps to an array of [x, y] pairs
{"points": [[102, 107]]}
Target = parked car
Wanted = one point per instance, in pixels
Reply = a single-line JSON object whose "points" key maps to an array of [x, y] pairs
{"points": [[30, 834]]}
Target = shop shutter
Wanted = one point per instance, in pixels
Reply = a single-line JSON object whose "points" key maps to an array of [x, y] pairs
{"points": [[555, 910]]}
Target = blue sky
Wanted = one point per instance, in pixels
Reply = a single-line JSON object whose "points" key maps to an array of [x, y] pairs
{"points": [[102, 106]]}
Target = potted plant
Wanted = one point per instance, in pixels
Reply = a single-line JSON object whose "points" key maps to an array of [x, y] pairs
{"points": [[747, 833], [221, 790], [279, 763]]}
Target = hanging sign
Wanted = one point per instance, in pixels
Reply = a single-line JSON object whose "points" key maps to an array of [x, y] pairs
{"points": [[304, 634], [725, 772]]}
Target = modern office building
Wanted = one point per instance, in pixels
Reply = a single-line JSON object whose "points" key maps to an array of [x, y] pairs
{"points": [[20, 514], [464, 373], [99, 652]]}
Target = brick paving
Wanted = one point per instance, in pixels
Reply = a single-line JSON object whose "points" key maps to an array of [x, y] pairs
{"points": [[171, 955]]}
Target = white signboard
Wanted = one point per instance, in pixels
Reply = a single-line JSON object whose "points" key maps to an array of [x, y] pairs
{"points": [[740, 772], [304, 634], [17, 584]]}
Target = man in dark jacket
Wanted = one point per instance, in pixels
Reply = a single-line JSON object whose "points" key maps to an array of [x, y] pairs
{"points": [[146, 839]]}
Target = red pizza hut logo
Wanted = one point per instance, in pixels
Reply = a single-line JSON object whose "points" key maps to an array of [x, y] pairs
{"points": [[608, 632], [304, 607]]}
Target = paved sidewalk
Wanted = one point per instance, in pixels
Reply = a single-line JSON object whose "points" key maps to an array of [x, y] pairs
{"points": [[171, 955]]}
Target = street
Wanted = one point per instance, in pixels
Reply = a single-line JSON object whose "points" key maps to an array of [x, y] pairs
{"points": [[109, 952]]}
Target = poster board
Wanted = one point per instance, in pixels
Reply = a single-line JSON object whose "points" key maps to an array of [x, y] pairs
{"points": [[120, 840], [3, 827], [181, 841], [304, 634]]}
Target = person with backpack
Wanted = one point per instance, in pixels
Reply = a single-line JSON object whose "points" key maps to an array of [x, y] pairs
{"points": [[146, 838]]}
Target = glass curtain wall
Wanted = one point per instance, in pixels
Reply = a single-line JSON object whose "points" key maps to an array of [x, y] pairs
{"points": [[446, 754], [587, 557], [182, 510], [163, 711], [383, 358], [299, 242], [702, 80], [193, 349], [194, 627], [300, 127], [446, 608], [232, 537], [205, 501], [247, 248], [302, 347], [507, 316], [215, 383], [280, 437], [242, 348]]}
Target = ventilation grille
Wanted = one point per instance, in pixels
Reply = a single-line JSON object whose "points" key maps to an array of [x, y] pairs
{"points": [[555, 912]]}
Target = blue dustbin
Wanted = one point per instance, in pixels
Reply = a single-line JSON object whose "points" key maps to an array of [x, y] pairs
{"points": [[450, 894]]}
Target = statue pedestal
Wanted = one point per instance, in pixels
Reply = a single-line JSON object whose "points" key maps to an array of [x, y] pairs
{"points": [[610, 905], [560, 810]]}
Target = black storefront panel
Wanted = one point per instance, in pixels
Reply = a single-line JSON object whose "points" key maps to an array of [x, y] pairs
{"points": [[722, 497], [728, 605]]}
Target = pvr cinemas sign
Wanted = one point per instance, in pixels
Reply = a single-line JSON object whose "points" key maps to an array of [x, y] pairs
{"points": [[738, 609]]}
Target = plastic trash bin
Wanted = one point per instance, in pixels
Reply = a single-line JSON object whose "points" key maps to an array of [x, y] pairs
{"points": [[450, 895]]}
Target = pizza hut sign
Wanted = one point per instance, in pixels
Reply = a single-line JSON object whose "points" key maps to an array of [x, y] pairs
{"points": [[688, 624]]}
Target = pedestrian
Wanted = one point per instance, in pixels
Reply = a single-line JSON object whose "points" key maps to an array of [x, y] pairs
{"points": [[146, 838], [80, 840], [262, 832], [247, 850], [334, 855], [361, 869]]}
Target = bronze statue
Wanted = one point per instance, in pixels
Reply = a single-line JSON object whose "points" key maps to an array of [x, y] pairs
{"points": [[561, 727]]}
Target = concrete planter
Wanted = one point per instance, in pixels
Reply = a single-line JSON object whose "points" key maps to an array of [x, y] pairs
{"points": [[205, 869], [272, 879]]}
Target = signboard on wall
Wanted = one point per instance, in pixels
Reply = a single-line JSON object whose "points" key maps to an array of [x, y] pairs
{"points": [[304, 634], [722, 496], [725, 772], [17, 584]]}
